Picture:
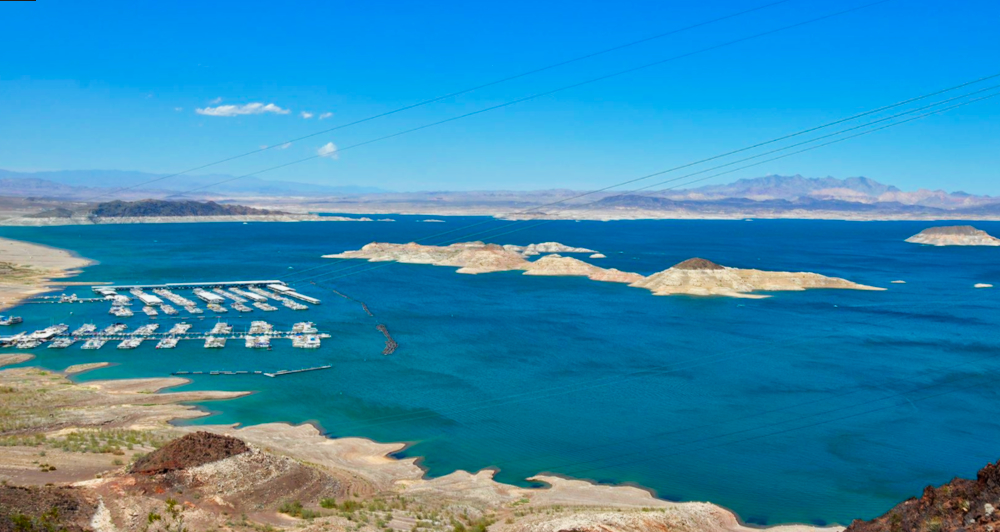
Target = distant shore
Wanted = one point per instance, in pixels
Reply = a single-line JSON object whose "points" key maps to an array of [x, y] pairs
{"points": [[24, 221], [28, 269]]}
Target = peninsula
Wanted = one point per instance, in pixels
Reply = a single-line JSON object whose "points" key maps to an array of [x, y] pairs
{"points": [[696, 276], [164, 211], [954, 235], [105, 455], [28, 269]]}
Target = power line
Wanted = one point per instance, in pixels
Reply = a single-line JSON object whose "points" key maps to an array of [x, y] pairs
{"points": [[701, 161], [722, 173], [540, 94], [464, 91]]}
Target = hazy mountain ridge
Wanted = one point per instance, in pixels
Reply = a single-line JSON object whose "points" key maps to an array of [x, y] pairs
{"points": [[77, 184], [852, 189], [767, 196]]}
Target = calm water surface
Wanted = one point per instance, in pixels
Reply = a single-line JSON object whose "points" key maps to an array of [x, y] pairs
{"points": [[818, 406]]}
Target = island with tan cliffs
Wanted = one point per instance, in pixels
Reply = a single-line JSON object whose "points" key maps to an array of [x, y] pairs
{"points": [[697, 277]]}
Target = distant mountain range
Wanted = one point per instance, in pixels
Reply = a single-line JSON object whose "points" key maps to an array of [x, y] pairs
{"points": [[771, 195], [852, 189], [83, 184]]}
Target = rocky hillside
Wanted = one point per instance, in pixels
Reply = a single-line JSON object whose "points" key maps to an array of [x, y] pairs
{"points": [[26, 509], [149, 208], [190, 451], [962, 504]]}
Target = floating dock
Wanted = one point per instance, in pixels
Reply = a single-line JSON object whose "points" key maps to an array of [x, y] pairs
{"points": [[278, 373]]}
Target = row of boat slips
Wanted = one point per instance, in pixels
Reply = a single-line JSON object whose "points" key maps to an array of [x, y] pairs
{"points": [[220, 289], [303, 341], [303, 335]]}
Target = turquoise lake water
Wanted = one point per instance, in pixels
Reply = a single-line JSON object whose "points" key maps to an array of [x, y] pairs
{"points": [[814, 407]]}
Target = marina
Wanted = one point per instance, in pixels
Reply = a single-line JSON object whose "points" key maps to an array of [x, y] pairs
{"points": [[303, 335]]}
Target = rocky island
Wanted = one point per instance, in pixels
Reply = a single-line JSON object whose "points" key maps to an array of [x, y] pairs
{"points": [[954, 235], [702, 277], [696, 276]]}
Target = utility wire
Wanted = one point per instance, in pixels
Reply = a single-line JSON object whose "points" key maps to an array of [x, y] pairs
{"points": [[461, 92], [540, 94], [701, 161], [326, 274]]}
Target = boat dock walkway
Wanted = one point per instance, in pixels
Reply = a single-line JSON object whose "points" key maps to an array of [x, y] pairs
{"points": [[186, 286], [278, 373]]}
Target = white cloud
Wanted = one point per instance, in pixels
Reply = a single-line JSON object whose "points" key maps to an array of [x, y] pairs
{"points": [[285, 146], [255, 108], [306, 114], [178, 109], [216, 101], [328, 150], [324, 116]]}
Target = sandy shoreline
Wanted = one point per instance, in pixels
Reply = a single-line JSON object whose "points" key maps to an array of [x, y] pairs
{"points": [[365, 466], [28, 269]]}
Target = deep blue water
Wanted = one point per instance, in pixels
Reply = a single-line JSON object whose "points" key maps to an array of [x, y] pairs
{"points": [[818, 406]]}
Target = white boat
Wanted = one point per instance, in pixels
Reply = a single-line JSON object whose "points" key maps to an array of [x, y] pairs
{"points": [[86, 328], [217, 308], [49, 332], [147, 329], [221, 328], [131, 343], [28, 343], [309, 341], [304, 327], [168, 310], [10, 320], [260, 327], [214, 343], [121, 312], [150, 311], [180, 328], [258, 342], [265, 307], [62, 343], [167, 343], [293, 305], [115, 328], [94, 343], [193, 309], [240, 307]]}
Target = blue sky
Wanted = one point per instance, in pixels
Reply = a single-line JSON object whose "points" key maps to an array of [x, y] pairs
{"points": [[117, 85]]}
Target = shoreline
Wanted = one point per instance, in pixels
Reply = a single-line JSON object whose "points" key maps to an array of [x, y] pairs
{"points": [[372, 462], [265, 218], [31, 269]]}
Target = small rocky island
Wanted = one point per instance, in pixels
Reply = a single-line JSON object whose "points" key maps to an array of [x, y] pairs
{"points": [[702, 277], [696, 276], [954, 235]]}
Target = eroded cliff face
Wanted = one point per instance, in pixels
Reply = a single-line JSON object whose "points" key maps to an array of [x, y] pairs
{"points": [[955, 235], [962, 504]]}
